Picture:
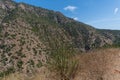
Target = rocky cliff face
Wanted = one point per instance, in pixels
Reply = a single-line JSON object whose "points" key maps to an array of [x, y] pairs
{"points": [[28, 34]]}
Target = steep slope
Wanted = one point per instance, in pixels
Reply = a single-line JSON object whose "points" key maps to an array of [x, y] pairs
{"points": [[28, 34], [20, 48]]}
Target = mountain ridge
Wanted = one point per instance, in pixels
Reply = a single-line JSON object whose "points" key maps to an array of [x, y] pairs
{"points": [[29, 34]]}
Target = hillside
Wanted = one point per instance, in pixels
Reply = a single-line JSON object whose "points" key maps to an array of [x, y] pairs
{"points": [[100, 64], [30, 35]]}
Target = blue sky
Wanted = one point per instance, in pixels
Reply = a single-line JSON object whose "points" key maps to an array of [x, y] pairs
{"points": [[103, 14]]}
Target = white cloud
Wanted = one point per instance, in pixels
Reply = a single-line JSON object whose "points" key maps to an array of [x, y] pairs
{"points": [[76, 18], [70, 8], [116, 10]]}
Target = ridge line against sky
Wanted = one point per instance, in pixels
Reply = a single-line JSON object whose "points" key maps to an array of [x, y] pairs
{"points": [[102, 14]]}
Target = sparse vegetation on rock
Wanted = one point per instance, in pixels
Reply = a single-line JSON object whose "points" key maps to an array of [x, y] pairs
{"points": [[31, 36]]}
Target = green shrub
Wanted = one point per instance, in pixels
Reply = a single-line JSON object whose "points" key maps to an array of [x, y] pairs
{"points": [[20, 54], [63, 64], [13, 36], [35, 51], [31, 63], [19, 64], [7, 72], [39, 64], [35, 29]]}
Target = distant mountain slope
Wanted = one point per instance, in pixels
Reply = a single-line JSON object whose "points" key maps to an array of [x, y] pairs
{"points": [[28, 34], [112, 34]]}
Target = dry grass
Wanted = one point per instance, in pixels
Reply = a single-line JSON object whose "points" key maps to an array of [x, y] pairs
{"points": [[15, 76], [44, 74], [18, 76], [101, 64]]}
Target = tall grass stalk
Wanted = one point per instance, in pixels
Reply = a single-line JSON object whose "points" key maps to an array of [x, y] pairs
{"points": [[63, 63]]}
